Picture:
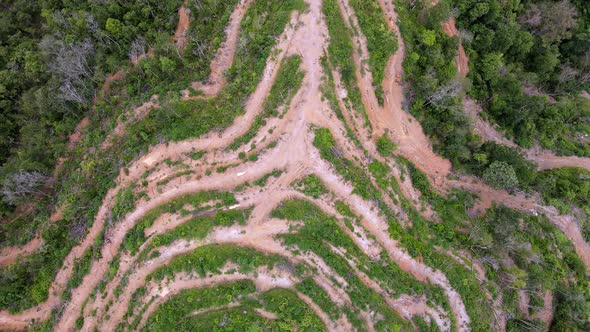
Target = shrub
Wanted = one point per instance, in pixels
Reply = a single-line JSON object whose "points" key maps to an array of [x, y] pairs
{"points": [[501, 175]]}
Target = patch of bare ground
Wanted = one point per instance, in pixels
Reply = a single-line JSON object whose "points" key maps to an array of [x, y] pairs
{"points": [[413, 144], [461, 61], [546, 159], [266, 314], [182, 27], [546, 314]]}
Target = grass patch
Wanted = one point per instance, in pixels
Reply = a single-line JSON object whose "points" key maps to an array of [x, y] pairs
{"points": [[381, 42], [311, 186]]}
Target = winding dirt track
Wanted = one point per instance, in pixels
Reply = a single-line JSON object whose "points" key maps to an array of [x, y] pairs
{"points": [[182, 27], [293, 154], [9, 255]]}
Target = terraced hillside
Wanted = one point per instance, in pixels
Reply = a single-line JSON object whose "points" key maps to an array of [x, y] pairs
{"points": [[281, 183]]}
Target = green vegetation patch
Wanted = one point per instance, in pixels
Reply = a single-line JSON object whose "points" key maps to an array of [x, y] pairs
{"points": [[199, 227], [568, 189], [136, 236], [531, 253], [211, 258], [177, 310], [320, 233], [340, 54], [325, 142], [178, 120], [529, 66], [381, 41], [311, 186]]}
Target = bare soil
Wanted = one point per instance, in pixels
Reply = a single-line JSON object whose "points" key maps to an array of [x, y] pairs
{"points": [[9, 255], [182, 27], [461, 61]]}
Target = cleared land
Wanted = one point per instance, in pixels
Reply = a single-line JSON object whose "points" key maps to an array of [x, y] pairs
{"points": [[303, 211]]}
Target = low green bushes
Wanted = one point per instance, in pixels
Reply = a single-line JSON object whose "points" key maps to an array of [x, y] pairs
{"points": [[381, 42], [340, 54]]}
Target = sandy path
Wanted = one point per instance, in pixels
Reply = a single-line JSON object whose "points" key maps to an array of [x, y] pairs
{"points": [[240, 126], [369, 146], [9, 255], [333, 326], [224, 57], [482, 127], [546, 159], [182, 27], [461, 61], [468, 262], [363, 72], [546, 315]]}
